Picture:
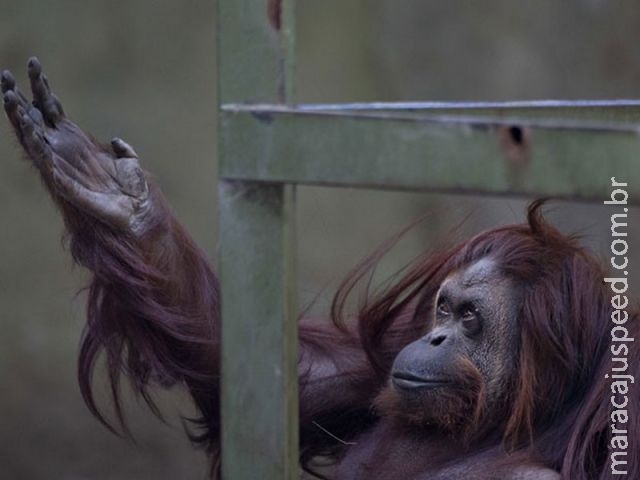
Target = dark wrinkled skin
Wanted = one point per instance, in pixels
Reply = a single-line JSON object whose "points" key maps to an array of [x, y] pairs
{"points": [[485, 335], [106, 183]]}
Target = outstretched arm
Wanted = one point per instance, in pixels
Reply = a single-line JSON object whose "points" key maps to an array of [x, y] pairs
{"points": [[153, 299]]}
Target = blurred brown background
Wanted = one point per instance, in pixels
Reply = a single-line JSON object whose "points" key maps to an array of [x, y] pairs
{"points": [[145, 70]]}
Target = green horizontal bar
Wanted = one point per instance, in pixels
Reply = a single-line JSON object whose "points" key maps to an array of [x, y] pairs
{"points": [[558, 158], [618, 111]]}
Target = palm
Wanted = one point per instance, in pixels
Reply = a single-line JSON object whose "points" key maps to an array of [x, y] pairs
{"points": [[107, 184]]}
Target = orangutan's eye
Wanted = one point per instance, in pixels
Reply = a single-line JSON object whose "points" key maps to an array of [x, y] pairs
{"points": [[470, 319], [443, 306]]}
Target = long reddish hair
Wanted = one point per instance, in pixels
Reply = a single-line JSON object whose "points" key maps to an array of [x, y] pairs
{"points": [[560, 410], [153, 315]]}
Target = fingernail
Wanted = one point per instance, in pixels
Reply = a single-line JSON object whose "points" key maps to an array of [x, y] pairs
{"points": [[33, 66], [9, 97]]}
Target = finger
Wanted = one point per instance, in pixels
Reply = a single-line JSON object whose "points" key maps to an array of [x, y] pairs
{"points": [[122, 149], [43, 99], [14, 109], [10, 101], [35, 144], [8, 84], [38, 86]]}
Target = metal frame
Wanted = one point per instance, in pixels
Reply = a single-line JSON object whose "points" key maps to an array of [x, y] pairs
{"points": [[268, 146]]}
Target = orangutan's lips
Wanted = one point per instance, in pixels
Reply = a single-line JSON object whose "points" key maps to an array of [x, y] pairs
{"points": [[408, 381]]}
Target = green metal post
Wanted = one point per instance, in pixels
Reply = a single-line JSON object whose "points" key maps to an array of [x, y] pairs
{"points": [[257, 258]]}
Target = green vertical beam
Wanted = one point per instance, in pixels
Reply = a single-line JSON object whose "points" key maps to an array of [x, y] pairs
{"points": [[259, 394], [259, 378]]}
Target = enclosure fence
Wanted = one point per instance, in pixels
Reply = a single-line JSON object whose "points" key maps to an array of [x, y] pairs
{"points": [[268, 144]]}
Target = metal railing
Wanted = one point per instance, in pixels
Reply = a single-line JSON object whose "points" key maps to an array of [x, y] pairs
{"points": [[268, 145]]}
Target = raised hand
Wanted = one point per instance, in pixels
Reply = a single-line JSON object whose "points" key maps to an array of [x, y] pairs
{"points": [[104, 183], [153, 299]]}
